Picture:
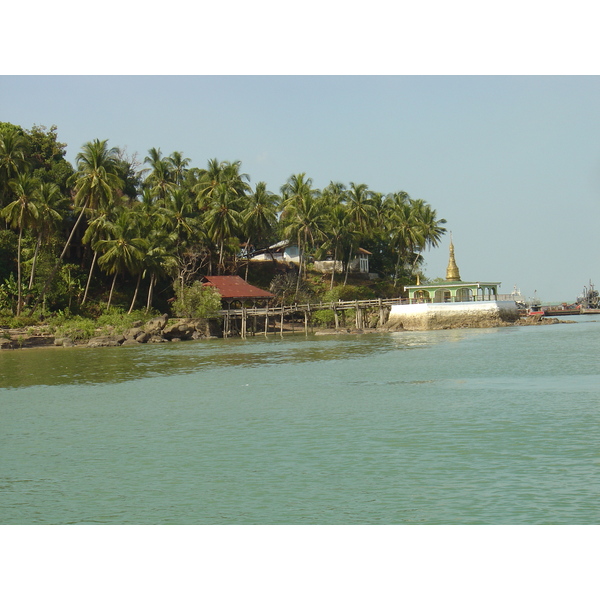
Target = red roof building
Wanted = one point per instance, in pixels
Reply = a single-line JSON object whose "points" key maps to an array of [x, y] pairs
{"points": [[232, 287]]}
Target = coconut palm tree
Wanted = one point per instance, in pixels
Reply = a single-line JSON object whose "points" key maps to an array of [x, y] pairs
{"points": [[50, 201], [363, 216], [403, 231], [338, 226], [178, 214], [95, 184], [223, 220], [13, 146], [20, 213], [341, 235], [178, 167], [99, 228], [160, 260], [429, 227], [160, 179], [303, 216], [259, 217], [217, 174], [124, 251], [360, 207]]}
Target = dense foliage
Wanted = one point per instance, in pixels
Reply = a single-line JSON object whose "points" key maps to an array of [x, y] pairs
{"points": [[196, 301], [113, 231]]}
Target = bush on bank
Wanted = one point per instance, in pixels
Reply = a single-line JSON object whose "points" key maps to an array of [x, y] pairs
{"points": [[80, 328]]}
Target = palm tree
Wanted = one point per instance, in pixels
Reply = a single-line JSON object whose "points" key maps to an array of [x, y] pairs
{"points": [[124, 251], [160, 179], [303, 215], [223, 219], [49, 204], [21, 213], [178, 214], [429, 227], [99, 227], [95, 184], [340, 234], [362, 214], [12, 159], [160, 260], [360, 207], [338, 229], [179, 217], [220, 174], [259, 218], [403, 230], [178, 166]]}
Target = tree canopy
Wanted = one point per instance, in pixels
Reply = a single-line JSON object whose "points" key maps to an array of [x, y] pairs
{"points": [[166, 220]]}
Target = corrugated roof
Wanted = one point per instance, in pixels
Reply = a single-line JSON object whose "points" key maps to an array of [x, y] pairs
{"points": [[232, 287]]}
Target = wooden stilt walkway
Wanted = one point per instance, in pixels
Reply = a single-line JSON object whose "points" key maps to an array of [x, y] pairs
{"points": [[278, 313]]}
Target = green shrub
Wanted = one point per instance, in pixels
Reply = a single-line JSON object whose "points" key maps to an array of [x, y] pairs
{"points": [[76, 328], [349, 317], [324, 318], [197, 301], [17, 322], [118, 320]]}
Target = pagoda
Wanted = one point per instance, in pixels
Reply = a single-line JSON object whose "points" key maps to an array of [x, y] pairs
{"points": [[452, 289]]}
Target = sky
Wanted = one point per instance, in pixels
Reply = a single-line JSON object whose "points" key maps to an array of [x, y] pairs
{"points": [[511, 162]]}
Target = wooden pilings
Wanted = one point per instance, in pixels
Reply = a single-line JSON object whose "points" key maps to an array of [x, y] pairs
{"points": [[235, 321]]}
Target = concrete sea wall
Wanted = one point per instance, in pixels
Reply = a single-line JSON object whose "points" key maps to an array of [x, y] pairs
{"points": [[452, 315]]}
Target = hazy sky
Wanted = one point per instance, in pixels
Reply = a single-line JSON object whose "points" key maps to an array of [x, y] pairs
{"points": [[512, 162], [397, 99]]}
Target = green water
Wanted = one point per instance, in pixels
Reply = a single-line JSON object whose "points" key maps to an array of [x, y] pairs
{"points": [[488, 426]]}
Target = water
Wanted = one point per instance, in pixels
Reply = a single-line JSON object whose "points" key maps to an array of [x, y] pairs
{"points": [[482, 426]]}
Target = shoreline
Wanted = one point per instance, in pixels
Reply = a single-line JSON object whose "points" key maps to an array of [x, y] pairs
{"points": [[23, 339]]}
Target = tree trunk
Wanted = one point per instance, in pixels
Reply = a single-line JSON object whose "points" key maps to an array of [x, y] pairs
{"points": [[300, 258], [112, 287], [221, 265], [396, 269], [87, 285], [150, 290], [35, 255], [348, 266], [137, 287], [247, 258], [333, 270], [19, 291]]}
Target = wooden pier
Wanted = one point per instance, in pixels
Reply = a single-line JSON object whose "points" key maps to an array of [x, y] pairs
{"points": [[239, 318]]}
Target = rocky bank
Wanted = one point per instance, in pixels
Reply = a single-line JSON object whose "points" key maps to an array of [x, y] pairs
{"points": [[165, 330], [156, 331]]}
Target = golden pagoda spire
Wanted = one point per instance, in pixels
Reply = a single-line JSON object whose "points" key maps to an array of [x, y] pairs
{"points": [[452, 273]]}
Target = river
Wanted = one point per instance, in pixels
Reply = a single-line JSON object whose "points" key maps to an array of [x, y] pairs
{"points": [[471, 426]]}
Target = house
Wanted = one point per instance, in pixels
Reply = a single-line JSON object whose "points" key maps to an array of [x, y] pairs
{"points": [[283, 251], [360, 264], [234, 289], [287, 252]]}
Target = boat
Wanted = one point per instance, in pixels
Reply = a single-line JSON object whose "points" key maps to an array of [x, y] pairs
{"points": [[562, 310], [589, 301]]}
